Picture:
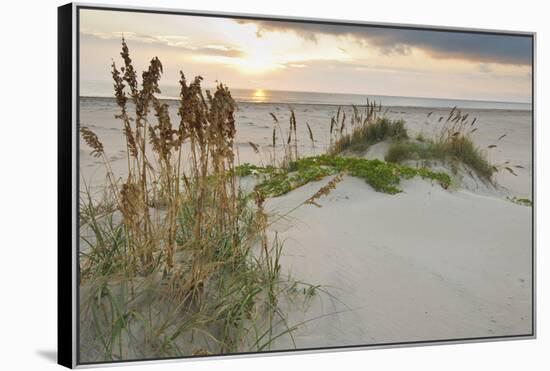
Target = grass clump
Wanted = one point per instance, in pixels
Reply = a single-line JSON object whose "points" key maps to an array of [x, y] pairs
{"points": [[382, 176], [175, 260], [455, 150], [366, 129], [453, 144]]}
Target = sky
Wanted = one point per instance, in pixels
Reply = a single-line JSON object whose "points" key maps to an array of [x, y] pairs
{"points": [[312, 57]]}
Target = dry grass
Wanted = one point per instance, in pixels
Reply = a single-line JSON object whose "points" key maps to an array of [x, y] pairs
{"points": [[288, 140], [325, 190], [172, 266]]}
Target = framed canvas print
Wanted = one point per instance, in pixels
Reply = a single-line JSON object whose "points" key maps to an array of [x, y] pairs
{"points": [[236, 184]]}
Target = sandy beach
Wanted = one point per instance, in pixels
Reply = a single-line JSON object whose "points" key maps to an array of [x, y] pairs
{"points": [[254, 124], [425, 264]]}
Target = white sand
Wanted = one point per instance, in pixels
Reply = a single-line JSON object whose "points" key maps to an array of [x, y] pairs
{"points": [[421, 265]]}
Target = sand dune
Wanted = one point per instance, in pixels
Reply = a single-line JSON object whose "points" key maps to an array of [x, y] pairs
{"points": [[424, 264], [420, 265], [254, 124]]}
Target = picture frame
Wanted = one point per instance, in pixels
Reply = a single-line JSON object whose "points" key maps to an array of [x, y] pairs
{"points": [[73, 147]]}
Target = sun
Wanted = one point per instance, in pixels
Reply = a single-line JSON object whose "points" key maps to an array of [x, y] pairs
{"points": [[259, 95]]}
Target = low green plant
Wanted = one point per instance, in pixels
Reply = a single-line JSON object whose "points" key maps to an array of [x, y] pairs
{"points": [[382, 176], [520, 201]]}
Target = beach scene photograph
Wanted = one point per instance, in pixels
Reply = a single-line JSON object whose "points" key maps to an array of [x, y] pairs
{"points": [[251, 185]]}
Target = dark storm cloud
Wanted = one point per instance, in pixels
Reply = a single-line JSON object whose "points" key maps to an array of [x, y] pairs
{"points": [[480, 48]]}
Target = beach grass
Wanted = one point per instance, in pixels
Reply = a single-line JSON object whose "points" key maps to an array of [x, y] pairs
{"points": [[453, 144], [461, 150], [367, 128], [175, 259]]}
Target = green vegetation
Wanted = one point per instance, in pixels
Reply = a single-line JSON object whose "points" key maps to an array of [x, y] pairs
{"points": [[420, 137], [366, 130], [452, 145], [520, 201], [382, 176], [456, 150]]}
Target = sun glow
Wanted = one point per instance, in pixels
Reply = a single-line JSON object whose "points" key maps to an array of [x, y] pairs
{"points": [[254, 62], [258, 61], [259, 95], [271, 53], [250, 64]]}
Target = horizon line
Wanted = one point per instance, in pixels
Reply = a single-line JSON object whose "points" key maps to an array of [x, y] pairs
{"points": [[211, 88]]}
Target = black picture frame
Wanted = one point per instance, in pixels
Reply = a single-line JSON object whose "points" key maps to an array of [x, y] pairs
{"points": [[68, 182]]}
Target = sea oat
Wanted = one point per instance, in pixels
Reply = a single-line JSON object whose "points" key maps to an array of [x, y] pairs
{"points": [[325, 190], [92, 141]]}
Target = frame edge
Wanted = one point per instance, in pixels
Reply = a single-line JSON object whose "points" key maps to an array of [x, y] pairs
{"points": [[65, 81], [64, 185]]}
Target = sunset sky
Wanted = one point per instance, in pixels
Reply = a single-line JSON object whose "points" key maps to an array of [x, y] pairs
{"points": [[276, 55]]}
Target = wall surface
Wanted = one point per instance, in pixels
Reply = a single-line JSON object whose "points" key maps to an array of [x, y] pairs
{"points": [[28, 183]]}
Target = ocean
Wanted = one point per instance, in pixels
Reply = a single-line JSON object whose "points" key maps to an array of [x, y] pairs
{"points": [[104, 90]]}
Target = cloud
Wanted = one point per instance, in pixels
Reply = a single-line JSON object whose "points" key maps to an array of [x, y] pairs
{"points": [[175, 41], [484, 67], [475, 47], [370, 67]]}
